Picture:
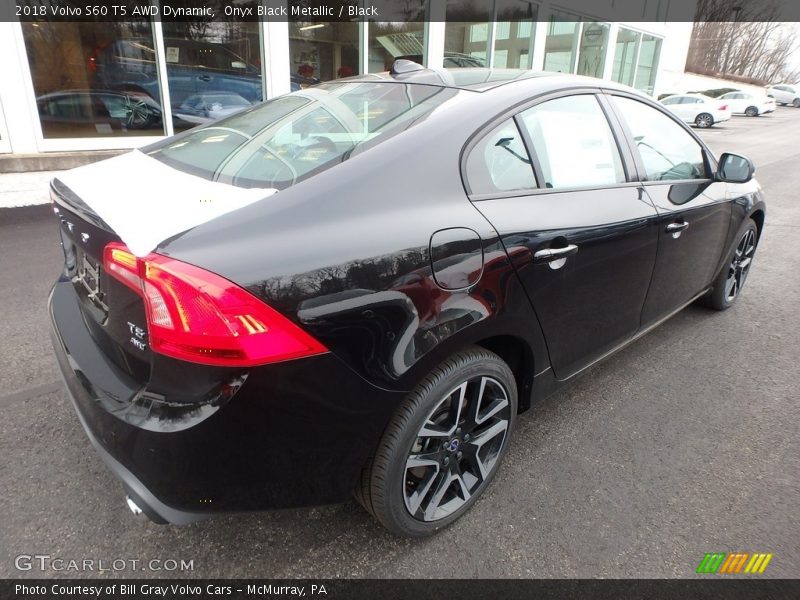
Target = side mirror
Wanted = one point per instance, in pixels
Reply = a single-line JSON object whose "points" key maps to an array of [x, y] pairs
{"points": [[735, 169]]}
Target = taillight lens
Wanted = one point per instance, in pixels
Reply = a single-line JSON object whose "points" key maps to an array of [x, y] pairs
{"points": [[201, 317], [724, 107]]}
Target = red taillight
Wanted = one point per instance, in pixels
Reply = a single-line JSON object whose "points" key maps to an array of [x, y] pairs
{"points": [[201, 317], [724, 107]]}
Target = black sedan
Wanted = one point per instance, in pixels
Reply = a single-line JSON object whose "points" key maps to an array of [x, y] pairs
{"points": [[357, 287]]}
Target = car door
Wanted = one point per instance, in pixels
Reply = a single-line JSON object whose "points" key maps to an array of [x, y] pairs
{"points": [[782, 94], [676, 106], [693, 211], [736, 101], [583, 239], [181, 70]]}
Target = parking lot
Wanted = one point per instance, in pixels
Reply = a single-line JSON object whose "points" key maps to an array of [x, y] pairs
{"points": [[686, 442]]}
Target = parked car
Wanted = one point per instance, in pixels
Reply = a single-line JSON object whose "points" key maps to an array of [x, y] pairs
{"points": [[359, 286], [69, 111], [193, 68], [749, 104], [785, 93], [203, 108], [699, 109]]}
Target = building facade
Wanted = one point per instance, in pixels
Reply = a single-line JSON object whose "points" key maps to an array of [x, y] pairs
{"points": [[83, 86]]}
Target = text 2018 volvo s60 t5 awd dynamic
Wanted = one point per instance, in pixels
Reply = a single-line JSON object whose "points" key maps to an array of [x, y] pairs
{"points": [[357, 287]]}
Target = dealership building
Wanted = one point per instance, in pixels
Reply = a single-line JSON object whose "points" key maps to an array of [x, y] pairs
{"points": [[70, 90]]}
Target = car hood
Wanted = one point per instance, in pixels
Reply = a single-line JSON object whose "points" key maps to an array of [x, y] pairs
{"points": [[146, 202]]}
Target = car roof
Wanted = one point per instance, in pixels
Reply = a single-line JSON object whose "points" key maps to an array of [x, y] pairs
{"points": [[690, 95], [482, 79]]}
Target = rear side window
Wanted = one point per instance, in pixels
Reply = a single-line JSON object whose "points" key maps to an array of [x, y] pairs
{"points": [[667, 150], [573, 143], [499, 162]]}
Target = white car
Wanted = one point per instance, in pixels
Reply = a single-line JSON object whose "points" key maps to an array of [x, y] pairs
{"points": [[785, 93], [704, 111], [747, 103]]}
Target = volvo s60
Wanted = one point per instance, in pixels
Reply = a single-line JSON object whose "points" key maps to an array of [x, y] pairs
{"points": [[358, 287]]}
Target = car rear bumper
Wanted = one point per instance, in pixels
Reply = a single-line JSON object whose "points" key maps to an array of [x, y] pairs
{"points": [[295, 434]]}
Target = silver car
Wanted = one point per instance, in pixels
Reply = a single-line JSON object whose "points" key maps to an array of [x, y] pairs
{"points": [[785, 93]]}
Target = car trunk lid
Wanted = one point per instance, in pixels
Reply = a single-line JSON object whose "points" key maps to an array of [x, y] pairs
{"points": [[140, 202]]}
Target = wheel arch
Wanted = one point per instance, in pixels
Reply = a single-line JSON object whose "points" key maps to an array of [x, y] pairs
{"points": [[758, 216], [518, 355]]}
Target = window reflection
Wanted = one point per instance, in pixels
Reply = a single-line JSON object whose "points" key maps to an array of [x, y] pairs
{"points": [[625, 56], [389, 41], [466, 34], [213, 69], [594, 41], [562, 42], [81, 79], [514, 34], [322, 52], [401, 35], [647, 66]]}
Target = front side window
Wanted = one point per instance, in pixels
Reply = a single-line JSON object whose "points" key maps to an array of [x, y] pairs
{"points": [[573, 143], [499, 162], [667, 150]]}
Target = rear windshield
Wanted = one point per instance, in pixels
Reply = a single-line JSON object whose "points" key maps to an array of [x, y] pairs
{"points": [[292, 137]]}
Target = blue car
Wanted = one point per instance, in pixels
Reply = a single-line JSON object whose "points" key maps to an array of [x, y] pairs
{"points": [[193, 68]]}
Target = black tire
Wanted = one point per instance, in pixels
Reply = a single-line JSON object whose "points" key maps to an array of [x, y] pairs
{"points": [[796, 102], [751, 111], [724, 292], [389, 488], [704, 120]]}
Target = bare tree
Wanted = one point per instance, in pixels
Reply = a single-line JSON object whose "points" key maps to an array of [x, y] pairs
{"points": [[747, 41]]}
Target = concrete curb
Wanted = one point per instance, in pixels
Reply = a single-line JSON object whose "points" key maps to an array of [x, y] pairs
{"points": [[25, 189]]}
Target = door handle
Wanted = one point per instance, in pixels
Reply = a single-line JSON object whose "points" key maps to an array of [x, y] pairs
{"points": [[551, 254], [204, 77], [675, 227]]}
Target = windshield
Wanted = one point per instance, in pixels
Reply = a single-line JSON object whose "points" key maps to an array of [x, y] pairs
{"points": [[288, 139]]}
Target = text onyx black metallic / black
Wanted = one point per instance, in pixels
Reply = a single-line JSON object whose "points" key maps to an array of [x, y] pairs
{"points": [[358, 286]]}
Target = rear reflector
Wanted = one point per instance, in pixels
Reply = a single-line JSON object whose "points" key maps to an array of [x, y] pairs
{"points": [[198, 316]]}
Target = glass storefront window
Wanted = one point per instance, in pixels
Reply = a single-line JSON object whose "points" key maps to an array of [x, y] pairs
{"points": [[94, 79], [561, 45], [625, 56], [514, 33], [466, 34], [389, 41], [647, 66], [213, 69], [322, 52], [594, 41], [401, 35]]}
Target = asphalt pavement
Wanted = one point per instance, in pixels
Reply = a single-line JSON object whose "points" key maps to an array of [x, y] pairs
{"points": [[686, 442]]}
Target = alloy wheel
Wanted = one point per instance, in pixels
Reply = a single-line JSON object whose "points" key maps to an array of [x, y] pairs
{"points": [[740, 265], [704, 121], [137, 113], [456, 449]]}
